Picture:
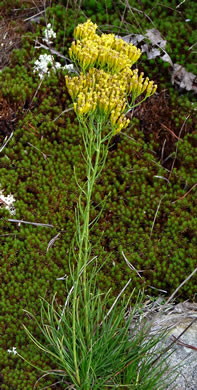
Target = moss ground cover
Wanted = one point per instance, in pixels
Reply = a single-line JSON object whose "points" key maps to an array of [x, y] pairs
{"points": [[148, 215]]}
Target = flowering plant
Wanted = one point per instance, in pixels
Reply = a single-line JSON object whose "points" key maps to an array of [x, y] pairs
{"points": [[90, 344]]}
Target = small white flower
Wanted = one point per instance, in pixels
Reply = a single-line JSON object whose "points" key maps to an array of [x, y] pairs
{"points": [[9, 199], [41, 65], [8, 202], [13, 350], [70, 68], [48, 34], [187, 20]]}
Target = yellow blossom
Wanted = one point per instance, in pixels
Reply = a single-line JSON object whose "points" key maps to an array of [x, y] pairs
{"points": [[122, 123], [84, 30], [106, 51], [107, 81]]}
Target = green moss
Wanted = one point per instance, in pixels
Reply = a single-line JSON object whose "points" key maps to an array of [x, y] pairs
{"points": [[37, 167]]}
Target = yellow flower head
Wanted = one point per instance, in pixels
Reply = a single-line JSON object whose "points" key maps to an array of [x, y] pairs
{"points": [[105, 51], [85, 30], [107, 81]]}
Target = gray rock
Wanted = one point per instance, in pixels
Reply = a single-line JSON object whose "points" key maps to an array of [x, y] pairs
{"points": [[180, 322]]}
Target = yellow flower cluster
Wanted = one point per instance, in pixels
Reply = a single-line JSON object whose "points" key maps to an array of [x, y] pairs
{"points": [[84, 30], [107, 94], [105, 91], [101, 92], [136, 85], [105, 51]]}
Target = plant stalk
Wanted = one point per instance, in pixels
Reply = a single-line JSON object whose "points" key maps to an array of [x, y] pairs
{"points": [[92, 137]]}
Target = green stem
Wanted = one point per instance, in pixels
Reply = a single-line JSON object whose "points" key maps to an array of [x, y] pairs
{"points": [[74, 332], [137, 104], [90, 182], [93, 140]]}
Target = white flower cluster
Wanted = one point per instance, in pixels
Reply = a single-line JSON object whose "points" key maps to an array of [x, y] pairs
{"points": [[7, 202], [13, 350], [48, 34], [41, 65], [70, 68]]}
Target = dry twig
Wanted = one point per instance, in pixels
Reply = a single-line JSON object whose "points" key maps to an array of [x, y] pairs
{"points": [[172, 132], [182, 197]]}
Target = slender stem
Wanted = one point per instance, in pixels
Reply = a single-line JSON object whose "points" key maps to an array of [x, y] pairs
{"points": [[135, 105], [91, 181], [74, 331], [92, 137]]}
